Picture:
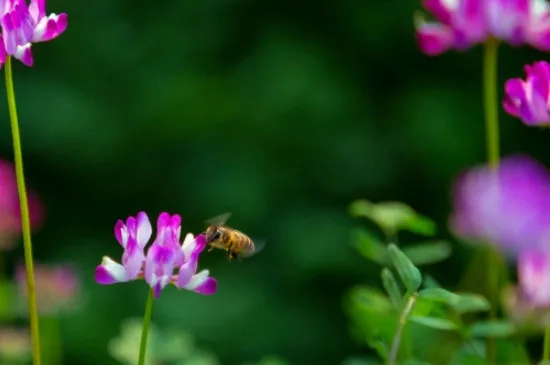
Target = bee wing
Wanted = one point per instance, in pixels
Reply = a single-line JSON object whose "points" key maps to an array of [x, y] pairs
{"points": [[258, 246], [219, 220]]}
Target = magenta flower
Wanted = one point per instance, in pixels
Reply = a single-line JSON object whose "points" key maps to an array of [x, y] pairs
{"points": [[57, 287], [529, 100], [163, 256], [534, 277], [22, 26], [461, 24], [10, 214], [509, 208]]}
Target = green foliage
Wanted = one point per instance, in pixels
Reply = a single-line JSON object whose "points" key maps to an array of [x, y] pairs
{"points": [[269, 360], [498, 329], [393, 217], [408, 273], [369, 246], [356, 360], [164, 346], [424, 253], [427, 312], [462, 303], [442, 324], [392, 287]]}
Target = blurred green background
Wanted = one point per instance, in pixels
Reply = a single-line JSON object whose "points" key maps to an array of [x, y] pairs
{"points": [[281, 112]]}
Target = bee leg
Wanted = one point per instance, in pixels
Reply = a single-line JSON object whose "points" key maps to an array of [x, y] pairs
{"points": [[210, 249], [229, 255]]}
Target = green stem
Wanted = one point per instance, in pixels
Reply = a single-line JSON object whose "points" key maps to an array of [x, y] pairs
{"points": [[546, 348], [491, 104], [145, 328], [392, 358], [27, 245]]}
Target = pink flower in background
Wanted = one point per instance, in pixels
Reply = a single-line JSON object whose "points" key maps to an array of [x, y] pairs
{"points": [[461, 24], [23, 25], [509, 208], [529, 100], [10, 215], [15, 345], [164, 255], [57, 287], [534, 277]]}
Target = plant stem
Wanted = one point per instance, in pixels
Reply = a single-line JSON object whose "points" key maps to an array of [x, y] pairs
{"points": [[25, 221], [145, 328], [491, 104], [546, 348], [392, 358]]}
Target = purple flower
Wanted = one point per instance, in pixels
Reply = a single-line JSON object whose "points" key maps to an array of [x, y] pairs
{"points": [[163, 256], [57, 287], [10, 212], [461, 24], [23, 25], [509, 208], [534, 277], [529, 100]]}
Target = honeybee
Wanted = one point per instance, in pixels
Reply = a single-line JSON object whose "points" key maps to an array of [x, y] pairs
{"points": [[237, 244]]}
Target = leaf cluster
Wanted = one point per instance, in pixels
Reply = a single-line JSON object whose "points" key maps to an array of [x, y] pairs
{"points": [[439, 325]]}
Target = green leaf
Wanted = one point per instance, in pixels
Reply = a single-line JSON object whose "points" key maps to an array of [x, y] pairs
{"points": [[356, 360], [408, 273], [439, 295], [391, 286], [369, 246], [430, 282], [422, 308], [470, 352], [511, 352], [415, 362], [428, 252], [421, 225], [381, 349], [471, 303], [393, 216], [436, 323], [498, 329]]}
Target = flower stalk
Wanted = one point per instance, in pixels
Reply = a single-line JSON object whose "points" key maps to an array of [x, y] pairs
{"points": [[490, 80], [392, 358], [546, 346], [491, 102], [145, 328], [25, 221]]}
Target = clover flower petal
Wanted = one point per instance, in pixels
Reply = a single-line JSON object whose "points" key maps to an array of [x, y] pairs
{"points": [[138, 228], [508, 208], [200, 283], [529, 100], [23, 25], [461, 24], [534, 277], [111, 272], [159, 266], [157, 262]]}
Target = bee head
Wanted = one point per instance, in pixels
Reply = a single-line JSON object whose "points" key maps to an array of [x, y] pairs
{"points": [[212, 234]]}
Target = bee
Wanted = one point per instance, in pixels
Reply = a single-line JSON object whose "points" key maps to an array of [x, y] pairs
{"points": [[237, 244]]}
